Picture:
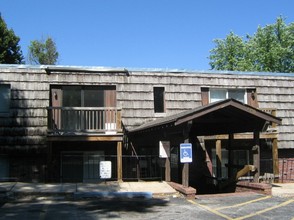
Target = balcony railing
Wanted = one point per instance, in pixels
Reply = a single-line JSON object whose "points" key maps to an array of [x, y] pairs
{"points": [[84, 119], [271, 111]]}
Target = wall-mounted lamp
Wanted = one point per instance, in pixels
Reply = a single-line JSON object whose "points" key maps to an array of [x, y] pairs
{"points": [[252, 94], [55, 95]]}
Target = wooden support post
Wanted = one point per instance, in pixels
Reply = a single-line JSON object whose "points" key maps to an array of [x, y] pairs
{"points": [[119, 161], [230, 156], [256, 156], [218, 150], [185, 175], [49, 175], [167, 169], [275, 159], [185, 170]]}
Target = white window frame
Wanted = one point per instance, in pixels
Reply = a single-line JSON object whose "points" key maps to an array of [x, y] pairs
{"points": [[226, 90]]}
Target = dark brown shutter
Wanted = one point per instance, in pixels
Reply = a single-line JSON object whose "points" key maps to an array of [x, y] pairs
{"points": [[110, 97], [205, 96], [252, 98]]}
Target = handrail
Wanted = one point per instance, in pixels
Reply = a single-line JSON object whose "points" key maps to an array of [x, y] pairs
{"points": [[271, 111], [84, 119], [85, 108]]}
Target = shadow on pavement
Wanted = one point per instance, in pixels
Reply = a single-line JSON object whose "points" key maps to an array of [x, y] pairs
{"points": [[123, 204], [71, 209]]}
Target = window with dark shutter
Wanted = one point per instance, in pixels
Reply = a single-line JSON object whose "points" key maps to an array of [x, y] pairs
{"points": [[4, 99]]}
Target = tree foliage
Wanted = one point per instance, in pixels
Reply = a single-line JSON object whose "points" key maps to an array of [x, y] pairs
{"points": [[43, 52], [10, 51], [270, 49], [229, 53]]}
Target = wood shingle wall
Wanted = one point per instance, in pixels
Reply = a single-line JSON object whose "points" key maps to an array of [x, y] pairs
{"points": [[27, 125], [183, 91]]}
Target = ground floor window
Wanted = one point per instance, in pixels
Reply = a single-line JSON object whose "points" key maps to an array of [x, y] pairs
{"points": [[4, 167], [215, 163], [240, 158]]}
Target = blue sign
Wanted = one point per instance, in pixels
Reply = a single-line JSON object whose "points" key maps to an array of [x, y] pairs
{"points": [[186, 153]]}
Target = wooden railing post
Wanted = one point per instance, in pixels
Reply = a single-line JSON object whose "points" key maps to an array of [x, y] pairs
{"points": [[118, 119]]}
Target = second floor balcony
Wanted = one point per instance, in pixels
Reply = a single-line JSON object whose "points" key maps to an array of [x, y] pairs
{"points": [[84, 120]]}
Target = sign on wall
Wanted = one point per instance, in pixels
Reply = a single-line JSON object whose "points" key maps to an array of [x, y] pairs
{"points": [[105, 169], [186, 153], [164, 149]]}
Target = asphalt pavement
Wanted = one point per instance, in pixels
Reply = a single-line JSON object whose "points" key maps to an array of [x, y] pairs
{"points": [[232, 206], [138, 200]]}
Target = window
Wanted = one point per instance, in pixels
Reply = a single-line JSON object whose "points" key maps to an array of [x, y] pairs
{"points": [[158, 93], [225, 159], [94, 97], [72, 96], [83, 96], [4, 99], [90, 117], [222, 94], [241, 157]]}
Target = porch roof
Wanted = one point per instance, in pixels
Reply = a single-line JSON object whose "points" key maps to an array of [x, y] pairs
{"points": [[223, 117]]}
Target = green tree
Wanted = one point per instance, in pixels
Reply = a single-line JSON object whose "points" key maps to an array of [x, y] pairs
{"points": [[10, 51], [270, 49], [43, 52], [229, 54]]}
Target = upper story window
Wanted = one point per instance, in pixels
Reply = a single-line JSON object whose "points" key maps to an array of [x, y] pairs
{"points": [[4, 99], [159, 100], [246, 95], [83, 96], [222, 94]]}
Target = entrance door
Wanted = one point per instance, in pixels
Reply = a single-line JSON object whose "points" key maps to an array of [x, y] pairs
{"points": [[91, 166], [81, 166], [72, 167]]}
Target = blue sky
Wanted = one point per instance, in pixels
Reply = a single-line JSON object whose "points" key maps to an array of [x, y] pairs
{"points": [[138, 33]]}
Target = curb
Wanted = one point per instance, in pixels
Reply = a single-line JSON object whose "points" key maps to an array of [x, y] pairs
{"points": [[87, 195]]}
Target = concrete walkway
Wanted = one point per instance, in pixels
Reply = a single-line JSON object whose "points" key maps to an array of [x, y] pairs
{"points": [[111, 189], [107, 189], [283, 189]]}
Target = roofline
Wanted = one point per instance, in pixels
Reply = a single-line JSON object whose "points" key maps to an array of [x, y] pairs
{"points": [[96, 69], [182, 117], [50, 69], [56, 68]]}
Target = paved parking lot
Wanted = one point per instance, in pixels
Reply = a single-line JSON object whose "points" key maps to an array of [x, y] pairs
{"points": [[230, 206], [247, 206]]}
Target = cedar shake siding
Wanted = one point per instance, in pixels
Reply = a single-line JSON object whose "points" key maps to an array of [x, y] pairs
{"points": [[25, 127]]}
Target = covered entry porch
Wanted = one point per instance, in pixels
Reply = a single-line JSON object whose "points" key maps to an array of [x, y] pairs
{"points": [[229, 117]]}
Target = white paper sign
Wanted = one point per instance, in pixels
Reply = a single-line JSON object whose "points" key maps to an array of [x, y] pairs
{"points": [[105, 169], [164, 149]]}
